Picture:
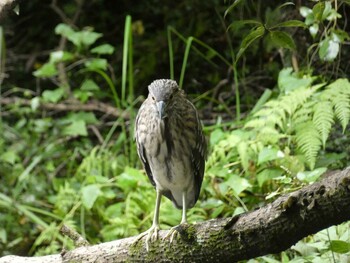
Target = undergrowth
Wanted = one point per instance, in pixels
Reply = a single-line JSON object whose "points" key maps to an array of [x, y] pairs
{"points": [[80, 168]]}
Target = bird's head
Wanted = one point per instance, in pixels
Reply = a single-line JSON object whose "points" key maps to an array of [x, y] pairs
{"points": [[162, 93]]}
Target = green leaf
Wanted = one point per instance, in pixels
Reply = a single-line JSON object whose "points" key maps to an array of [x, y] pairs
{"points": [[269, 154], [290, 23], [329, 13], [96, 64], [81, 38], [129, 179], [89, 194], [339, 246], [236, 183], [329, 49], [305, 11], [88, 117], [3, 236], [323, 119], [103, 49], [339, 35], [285, 4], [216, 136], [9, 156], [282, 39], [82, 95], [88, 38], [254, 34], [53, 95], [58, 56], [262, 100], [35, 103], [242, 149], [312, 176], [268, 174], [64, 30], [89, 84], [232, 6], [76, 128], [309, 141], [46, 70], [338, 93], [289, 81], [115, 210], [318, 9], [313, 29]]}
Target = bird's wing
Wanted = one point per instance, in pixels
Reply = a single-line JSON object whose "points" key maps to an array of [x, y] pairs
{"points": [[198, 155], [141, 150]]}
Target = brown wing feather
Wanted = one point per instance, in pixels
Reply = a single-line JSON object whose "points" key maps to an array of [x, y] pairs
{"points": [[141, 151], [198, 155]]}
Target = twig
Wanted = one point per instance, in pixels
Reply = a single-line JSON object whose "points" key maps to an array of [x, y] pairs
{"points": [[70, 105], [78, 240]]}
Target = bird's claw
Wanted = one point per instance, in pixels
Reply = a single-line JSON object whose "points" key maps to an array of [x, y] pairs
{"points": [[152, 235], [172, 233]]}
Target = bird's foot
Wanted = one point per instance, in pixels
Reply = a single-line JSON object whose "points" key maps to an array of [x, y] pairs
{"points": [[152, 235], [172, 233]]}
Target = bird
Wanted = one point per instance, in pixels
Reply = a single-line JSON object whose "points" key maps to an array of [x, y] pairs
{"points": [[172, 148]]}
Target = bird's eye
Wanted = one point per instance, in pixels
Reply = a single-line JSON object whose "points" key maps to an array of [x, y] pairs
{"points": [[171, 96], [153, 98]]}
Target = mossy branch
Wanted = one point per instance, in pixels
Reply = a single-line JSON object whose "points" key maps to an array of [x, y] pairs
{"points": [[270, 229]]}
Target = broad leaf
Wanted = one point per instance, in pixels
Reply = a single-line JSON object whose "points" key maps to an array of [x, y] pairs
{"points": [[339, 246], [255, 34], [329, 49], [96, 63], [76, 128], [231, 7], [53, 95], [269, 154], [290, 23], [103, 49], [58, 56], [46, 70], [89, 84], [89, 195], [282, 39], [311, 176]]}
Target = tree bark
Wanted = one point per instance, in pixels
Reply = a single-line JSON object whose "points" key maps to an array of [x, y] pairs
{"points": [[269, 229]]}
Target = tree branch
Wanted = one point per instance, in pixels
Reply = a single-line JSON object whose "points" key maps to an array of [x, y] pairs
{"points": [[69, 105], [270, 229]]}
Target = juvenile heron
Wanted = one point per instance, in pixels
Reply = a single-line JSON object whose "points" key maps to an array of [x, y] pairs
{"points": [[172, 148]]}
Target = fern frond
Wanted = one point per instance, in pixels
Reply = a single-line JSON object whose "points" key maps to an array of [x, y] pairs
{"points": [[292, 101], [275, 112], [242, 149], [269, 135], [323, 119], [338, 93], [304, 113], [258, 123], [342, 109], [308, 141]]}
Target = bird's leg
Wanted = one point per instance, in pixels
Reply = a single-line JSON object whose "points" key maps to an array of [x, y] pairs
{"points": [[172, 231], [152, 233]]}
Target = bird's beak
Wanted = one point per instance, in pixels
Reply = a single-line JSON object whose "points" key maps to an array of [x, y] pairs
{"points": [[161, 109]]}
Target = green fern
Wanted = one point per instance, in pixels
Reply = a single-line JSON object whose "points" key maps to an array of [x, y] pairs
{"points": [[276, 112], [323, 119], [309, 141], [338, 93], [304, 117], [292, 101], [303, 114]]}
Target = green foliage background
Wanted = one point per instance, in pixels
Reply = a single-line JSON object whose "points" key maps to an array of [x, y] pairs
{"points": [[270, 81]]}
